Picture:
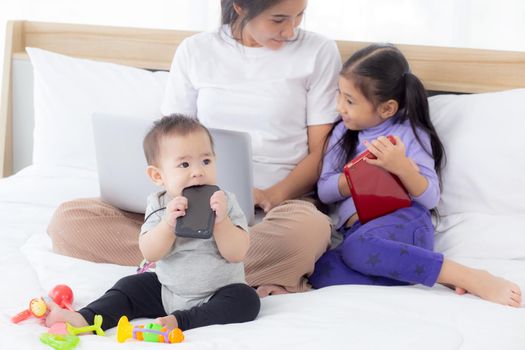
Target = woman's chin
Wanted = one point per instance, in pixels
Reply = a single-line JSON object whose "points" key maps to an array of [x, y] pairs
{"points": [[275, 45]]}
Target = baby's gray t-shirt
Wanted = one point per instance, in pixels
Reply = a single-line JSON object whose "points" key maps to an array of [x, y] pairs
{"points": [[194, 269]]}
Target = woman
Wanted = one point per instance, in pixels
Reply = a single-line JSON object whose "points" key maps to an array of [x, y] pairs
{"points": [[260, 74]]}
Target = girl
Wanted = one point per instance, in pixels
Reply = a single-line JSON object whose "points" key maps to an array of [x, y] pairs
{"points": [[379, 96]]}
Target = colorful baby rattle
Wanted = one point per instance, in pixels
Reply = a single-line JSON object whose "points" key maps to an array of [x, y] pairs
{"points": [[151, 332], [61, 294]]}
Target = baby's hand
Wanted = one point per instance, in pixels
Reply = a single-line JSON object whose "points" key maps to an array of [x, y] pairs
{"points": [[169, 321], [174, 209], [219, 204], [390, 157]]}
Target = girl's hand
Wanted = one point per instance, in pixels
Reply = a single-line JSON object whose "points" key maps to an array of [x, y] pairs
{"points": [[174, 209], [342, 184], [219, 204], [265, 199], [390, 157], [413, 164]]}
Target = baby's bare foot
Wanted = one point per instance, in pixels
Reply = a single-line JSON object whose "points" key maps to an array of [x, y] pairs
{"points": [[270, 289], [493, 288], [57, 314], [169, 321]]}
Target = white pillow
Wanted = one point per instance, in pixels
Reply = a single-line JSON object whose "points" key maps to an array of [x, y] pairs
{"points": [[67, 91], [484, 139], [472, 235]]}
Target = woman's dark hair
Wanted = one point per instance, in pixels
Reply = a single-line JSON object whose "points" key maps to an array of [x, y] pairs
{"points": [[252, 9], [381, 73], [175, 124]]}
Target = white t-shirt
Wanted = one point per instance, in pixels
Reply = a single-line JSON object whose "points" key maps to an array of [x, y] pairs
{"points": [[271, 94]]}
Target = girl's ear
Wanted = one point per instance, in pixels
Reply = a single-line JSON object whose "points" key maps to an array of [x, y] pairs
{"points": [[155, 175], [388, 109]]}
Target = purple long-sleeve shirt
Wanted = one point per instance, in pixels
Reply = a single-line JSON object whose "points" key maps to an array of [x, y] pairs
{"points": [[328, 184]]}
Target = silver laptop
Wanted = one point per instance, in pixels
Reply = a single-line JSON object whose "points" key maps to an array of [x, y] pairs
{"points": [[122, 165]]}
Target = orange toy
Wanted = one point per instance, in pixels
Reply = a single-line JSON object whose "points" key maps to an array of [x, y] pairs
{"points": [[61, 294]]}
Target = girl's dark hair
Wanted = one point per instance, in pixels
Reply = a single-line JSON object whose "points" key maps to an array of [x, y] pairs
{"points": [[381, 73], [252, 8], [175, 124]]}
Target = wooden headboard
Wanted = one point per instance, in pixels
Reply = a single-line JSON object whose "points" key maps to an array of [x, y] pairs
{"points": [[440, 68]]}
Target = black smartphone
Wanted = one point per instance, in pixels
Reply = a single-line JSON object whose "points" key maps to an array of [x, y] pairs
{"points": [[200, 218]]}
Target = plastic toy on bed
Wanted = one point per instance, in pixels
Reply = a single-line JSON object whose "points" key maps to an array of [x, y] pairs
{"points": [[61, 294], [60, 341], [150, 332], [95, 327], [63, 336]]}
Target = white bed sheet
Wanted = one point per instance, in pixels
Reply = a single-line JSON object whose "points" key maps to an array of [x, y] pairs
{"points": [[342, 317]]}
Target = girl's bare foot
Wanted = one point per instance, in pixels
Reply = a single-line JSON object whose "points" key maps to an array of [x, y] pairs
{"points": [[57, 314], [169, 321], [493, 288], [459, 290], [270, 289], [480, 283]]}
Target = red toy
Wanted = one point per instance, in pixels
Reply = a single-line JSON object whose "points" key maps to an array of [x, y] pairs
{"points": [[61, 294]]}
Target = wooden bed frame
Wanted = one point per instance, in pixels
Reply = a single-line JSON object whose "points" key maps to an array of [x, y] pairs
{"points": [[440, 68]]}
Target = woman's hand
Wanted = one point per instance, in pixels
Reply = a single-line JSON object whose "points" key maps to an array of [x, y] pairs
{"points": [[174, 209], [219, 204], [390, 157], [266, 199]]}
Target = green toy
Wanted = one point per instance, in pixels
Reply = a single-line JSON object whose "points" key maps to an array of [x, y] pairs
{"points": [[96, 327], [59, 341]]}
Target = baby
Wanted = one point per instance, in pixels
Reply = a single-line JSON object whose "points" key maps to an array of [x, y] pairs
{"points": [[197, 282]]}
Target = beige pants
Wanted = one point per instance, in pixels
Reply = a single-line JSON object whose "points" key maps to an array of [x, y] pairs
{"points": [[283, 250]]}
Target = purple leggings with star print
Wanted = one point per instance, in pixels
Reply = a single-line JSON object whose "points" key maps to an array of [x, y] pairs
{"points": [[395, 249]]}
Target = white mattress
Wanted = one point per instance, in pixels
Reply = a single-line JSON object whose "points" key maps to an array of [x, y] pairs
{"points": [[341, 317]]}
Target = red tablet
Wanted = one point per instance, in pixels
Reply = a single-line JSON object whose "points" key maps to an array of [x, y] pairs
{"points": [[375, 191]]}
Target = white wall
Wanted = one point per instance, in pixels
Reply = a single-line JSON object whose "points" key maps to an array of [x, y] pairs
{"points": [[495, 24]]}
